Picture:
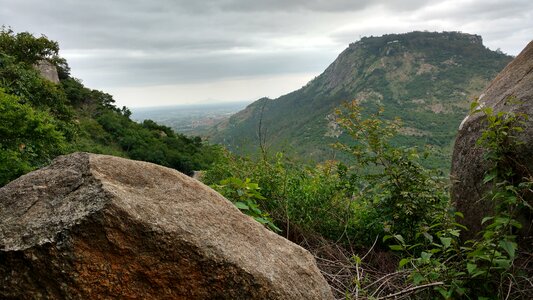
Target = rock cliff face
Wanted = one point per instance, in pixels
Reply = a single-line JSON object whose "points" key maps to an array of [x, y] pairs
{"points": [[468, 165], [94, 226], [47, 70]]}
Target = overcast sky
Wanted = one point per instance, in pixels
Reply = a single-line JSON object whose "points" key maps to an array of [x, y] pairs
{"points": [[164, 52]]}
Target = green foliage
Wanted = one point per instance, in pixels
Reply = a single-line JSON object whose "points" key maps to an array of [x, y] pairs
{"points": [[385, 189], [155, 143], [477, 268], [27, 48], [389, 180], [245, 194], [19, 79], [49, 119], [295, 196], [28, 138]]}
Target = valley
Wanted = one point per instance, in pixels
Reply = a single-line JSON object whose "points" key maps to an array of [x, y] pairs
{"points": [[192, 120]]}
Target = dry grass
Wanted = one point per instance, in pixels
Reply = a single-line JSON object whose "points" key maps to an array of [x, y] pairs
{"points": [[375, 274]]}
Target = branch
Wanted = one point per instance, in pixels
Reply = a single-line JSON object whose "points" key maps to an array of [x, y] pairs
{"points": [[412, 289]]}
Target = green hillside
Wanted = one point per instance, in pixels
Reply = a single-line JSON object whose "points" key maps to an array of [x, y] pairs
{"points": [[425, 78], [42, 118]]}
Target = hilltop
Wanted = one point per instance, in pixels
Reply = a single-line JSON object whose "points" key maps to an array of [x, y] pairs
{"points": [[427, 79]]}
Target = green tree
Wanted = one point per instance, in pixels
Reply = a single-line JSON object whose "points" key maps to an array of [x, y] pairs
{"points": [[27, 48], [28, 139], [390, 180]]}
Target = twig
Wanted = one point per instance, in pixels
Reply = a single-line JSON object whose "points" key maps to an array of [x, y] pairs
{"points": [[509, 290], [412, 289], [371, 248]]}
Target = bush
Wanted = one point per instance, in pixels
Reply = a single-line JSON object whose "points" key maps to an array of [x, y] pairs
{"points": [[386, 188], [28, 139], [483, 267]]}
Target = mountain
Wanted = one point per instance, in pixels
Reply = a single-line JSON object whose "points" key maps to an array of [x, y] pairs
{"points": [[426, 78]]}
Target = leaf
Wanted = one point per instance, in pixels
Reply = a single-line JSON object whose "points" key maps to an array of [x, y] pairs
{"points": [[404, 261], [460, 226], [446, 294], [455, 232], [357, 259], [485, 219], [241, 205], [257, 210], [490, 177], [396, 247], [503, 263], [428, 236], [435, 250], [474, 107], [261, 220], [471, 268], [509, 247], [399, 238], [515, 224], [478, 273], [418, 278], [425, 255], [386, 237], [274, 227], [446, 242]]}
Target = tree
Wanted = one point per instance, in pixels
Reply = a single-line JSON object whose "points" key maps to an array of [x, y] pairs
{"points": [[27, 48], [28, 139]]}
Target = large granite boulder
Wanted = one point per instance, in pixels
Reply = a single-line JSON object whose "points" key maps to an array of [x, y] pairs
{"points": [[95, 226], [468, 165]]}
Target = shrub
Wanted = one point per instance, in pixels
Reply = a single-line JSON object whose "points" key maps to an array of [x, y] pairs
{"points": [[28, 139]]}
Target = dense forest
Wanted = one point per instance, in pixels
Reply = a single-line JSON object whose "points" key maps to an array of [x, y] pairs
{"points": [[380, 225], [40, 119]]}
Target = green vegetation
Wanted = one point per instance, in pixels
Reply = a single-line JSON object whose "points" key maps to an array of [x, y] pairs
{"points": [[385, 189], [40, 119], [484, 267], [28, 138], [379, 197], [387, 199], [244, 194]]}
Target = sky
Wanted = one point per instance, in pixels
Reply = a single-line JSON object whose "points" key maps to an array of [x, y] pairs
{"points": [[168, 52]]}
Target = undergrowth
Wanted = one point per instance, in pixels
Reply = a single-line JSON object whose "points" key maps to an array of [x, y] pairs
{"points": [[385, 206]]}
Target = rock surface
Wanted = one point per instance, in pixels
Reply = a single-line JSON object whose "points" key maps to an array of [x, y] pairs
{"points": [[47, 70], [468, 165], [93, 226]]}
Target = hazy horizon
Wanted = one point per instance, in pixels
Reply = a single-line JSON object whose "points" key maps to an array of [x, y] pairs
{"points": [[212, 103]]}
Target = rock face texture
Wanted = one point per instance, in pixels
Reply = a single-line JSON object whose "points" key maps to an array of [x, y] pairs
{"points": [[93, 227], [47, 70], [468, 165]]}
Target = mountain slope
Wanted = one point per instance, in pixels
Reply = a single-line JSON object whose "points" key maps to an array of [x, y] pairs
{"points": [[427, 79], [44, 112]]}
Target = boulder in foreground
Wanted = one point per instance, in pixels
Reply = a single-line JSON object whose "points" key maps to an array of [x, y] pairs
{"points": [[468, 165], [94, 226]]}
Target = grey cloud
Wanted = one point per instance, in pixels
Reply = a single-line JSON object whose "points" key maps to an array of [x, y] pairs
{"points": [[161, 70], [318, 5], [136, 42]]}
